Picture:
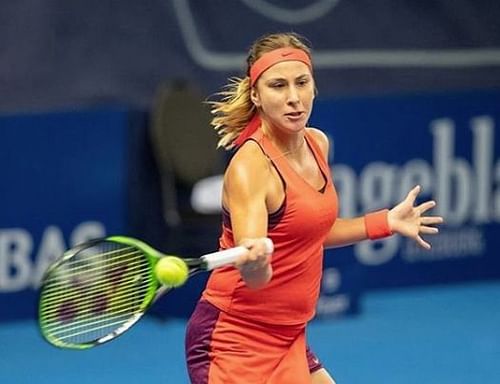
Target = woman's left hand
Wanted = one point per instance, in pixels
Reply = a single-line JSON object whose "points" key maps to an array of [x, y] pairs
{"points": [[409, 220]]}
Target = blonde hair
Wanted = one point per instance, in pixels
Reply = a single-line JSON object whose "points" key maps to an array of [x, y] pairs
{"points": [[234, 109]]}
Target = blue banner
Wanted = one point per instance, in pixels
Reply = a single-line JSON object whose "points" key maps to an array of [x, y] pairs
{"points": [[380, 148], [64, 178], [67, 177], [446, 143]]}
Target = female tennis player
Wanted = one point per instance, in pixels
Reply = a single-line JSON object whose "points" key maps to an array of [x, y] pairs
{"points": [[250, 323]]}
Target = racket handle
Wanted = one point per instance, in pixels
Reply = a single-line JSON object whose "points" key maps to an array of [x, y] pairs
{"points": [[229, 256]]}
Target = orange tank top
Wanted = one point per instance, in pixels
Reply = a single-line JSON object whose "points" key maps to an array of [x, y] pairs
{"points": [[298, 230]]}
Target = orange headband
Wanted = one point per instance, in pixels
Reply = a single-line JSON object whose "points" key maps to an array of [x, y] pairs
{"points": [[268, 59]]}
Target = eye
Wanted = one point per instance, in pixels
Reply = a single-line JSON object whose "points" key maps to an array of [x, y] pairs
{"points": [[302, 82], [277, 84]]}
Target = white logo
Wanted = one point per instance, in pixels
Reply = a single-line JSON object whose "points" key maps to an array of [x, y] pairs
{"points": [[19, 270], [467, 192], [301, 15]]}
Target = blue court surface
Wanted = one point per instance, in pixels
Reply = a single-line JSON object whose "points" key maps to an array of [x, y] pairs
{"points": [[442, 334]]}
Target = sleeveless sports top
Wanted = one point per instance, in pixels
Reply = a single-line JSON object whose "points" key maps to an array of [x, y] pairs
{"points": [[298, 229]]}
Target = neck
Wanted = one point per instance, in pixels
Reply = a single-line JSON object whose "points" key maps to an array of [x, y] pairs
{"points": [[287, 143], [295, 150]]}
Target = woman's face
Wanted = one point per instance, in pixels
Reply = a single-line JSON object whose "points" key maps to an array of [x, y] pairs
{"points": [[284, 94]]}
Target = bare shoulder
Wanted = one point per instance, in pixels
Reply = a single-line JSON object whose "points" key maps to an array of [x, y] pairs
{"points": [[321, 139], [248, 170]]}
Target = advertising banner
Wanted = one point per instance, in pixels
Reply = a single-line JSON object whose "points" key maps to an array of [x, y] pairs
{"points": [[446, 143], [380, 148], [66, 177], [63, 181]]}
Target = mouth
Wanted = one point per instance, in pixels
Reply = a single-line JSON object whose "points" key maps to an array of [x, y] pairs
{"points": [[294, 115]]}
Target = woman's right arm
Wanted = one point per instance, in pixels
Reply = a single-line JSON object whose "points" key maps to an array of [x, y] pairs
{"points": [[244, 195]]}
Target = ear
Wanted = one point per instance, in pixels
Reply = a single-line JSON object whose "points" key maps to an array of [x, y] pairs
{"points": [[254, 96]]}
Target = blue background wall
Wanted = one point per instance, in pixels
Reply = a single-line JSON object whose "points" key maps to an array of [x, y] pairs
{"points": [[409, 92], [64, 180], [75, 175]]}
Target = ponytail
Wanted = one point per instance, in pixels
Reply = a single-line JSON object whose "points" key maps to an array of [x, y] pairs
{"points": [[233, 111]]}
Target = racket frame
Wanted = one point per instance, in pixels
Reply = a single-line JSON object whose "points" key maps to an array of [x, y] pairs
{"points": [[152, 256]]}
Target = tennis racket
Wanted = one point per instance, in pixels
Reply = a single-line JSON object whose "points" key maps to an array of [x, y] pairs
{"points": [[97, 290]]}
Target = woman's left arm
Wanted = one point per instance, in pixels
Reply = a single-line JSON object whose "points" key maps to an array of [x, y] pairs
{"points": [[406, 219]]}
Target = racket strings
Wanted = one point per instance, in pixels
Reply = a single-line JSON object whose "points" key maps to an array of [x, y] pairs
{"points": [[88, 325], [91, 297], [83, 326], [96, 332], [96, 265], [54, 291], [57, 293], [51, 311], [117, 309]]}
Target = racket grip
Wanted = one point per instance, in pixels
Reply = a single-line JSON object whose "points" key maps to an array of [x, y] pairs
{"points": [[229, 256]]}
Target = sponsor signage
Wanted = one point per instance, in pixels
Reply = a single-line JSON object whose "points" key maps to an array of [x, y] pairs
{"points": [[63, 181]]}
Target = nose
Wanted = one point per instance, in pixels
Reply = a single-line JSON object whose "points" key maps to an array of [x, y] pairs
{"points": [[293, 95]]}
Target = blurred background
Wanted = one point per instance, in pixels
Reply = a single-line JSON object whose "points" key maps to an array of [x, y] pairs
{"points": [[103, 130]]}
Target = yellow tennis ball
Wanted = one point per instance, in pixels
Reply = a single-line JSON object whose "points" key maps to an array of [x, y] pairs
{"points": [[171, 271]]}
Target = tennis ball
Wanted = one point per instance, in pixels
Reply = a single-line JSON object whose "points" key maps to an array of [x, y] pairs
{"points": [[171, 271]]}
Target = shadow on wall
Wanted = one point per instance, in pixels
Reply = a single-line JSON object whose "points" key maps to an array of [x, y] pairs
{"points": [[183, 143]]}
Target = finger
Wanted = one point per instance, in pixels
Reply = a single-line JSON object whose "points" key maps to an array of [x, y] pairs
{"points": [[251, 265], [252, 256], [264, 245], [242, 260], [247, 243], [412, 195], [258, 254], [422, 243], [263, 261], [424, 207], [428, 230], [431, 220]]}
